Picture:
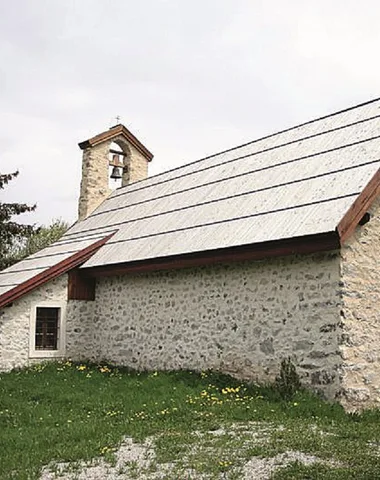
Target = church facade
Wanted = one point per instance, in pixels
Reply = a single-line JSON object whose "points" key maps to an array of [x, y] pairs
{"points": [[234, 262]]}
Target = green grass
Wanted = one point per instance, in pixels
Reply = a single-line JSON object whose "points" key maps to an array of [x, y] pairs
{"points": [[66, 412]]}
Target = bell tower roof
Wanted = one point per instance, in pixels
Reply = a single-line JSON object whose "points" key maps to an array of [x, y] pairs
{"points": [[113, 132]]}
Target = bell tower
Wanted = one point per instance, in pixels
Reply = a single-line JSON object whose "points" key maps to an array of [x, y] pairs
{"points": [[129, 163]]}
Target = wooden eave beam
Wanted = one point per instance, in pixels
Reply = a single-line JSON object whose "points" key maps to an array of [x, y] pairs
{"points": [[52, 272], [349, 222], [80, 286], [299, 245]]}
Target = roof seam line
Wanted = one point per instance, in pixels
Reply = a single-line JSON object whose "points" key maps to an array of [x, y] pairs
{"points": [[251, 192], [236, 158], [237, 195], [192, 227]]}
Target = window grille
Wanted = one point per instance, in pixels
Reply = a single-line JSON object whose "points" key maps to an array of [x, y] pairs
{"points": [[47, 328]]}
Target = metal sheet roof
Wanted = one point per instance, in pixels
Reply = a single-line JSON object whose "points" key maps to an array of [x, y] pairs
{"points": [[262, 168], [297, 182]]}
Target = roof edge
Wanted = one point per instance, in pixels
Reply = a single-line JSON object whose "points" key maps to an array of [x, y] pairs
{"points": [[298, 245], [354, 214], [114, 132], [52, 272]]}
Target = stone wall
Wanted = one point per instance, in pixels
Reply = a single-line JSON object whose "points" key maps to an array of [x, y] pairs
{"points": [[80, 328], [15, 323], [360, 315], [321, 310], [15, 326], [94, 187], [241, 319]]}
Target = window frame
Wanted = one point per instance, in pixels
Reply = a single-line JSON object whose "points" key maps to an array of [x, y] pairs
{"points": [[61, 350]]}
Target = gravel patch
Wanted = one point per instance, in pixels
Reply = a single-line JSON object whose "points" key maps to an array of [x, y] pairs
{"points": [[133, 461], [261, 468], [137, 461]]}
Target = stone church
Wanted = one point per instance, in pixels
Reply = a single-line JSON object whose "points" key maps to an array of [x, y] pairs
{"points": [[233, 262]]}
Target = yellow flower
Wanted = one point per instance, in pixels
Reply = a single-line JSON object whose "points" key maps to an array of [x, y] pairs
{"points": [[104, 369], [81, 368]]}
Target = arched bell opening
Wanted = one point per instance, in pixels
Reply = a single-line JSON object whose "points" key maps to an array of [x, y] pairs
{"points": [[118, 167]]}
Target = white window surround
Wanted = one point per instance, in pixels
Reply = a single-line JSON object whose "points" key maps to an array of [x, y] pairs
{"points": [[60, 352]]}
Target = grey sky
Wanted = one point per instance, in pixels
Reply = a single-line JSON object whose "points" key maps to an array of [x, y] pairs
{"points": [[189, 78]]}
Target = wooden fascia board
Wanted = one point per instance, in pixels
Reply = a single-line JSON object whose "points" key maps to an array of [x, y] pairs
{"points": [[300, 245], [114, 132], [349, 222], [52, 272], [101, 137]]}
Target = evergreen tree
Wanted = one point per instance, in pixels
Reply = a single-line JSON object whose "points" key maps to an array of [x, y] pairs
{"points": [[40, 239], [12, 234]]}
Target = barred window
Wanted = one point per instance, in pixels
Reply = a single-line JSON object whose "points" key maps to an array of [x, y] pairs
{"points": [[47, 328]]}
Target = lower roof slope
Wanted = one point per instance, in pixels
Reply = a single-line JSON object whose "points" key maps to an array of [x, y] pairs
{"points": [[45, 265]]}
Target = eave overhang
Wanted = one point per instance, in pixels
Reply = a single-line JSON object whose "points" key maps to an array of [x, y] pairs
{"points": [[278, 248]]}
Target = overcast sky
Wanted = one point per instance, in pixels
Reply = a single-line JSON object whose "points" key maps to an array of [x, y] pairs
{"points": [[188, 78]]}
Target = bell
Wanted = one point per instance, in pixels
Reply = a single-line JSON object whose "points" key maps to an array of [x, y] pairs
{"points": [[116, 174]]}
